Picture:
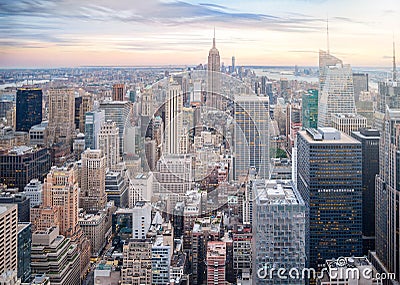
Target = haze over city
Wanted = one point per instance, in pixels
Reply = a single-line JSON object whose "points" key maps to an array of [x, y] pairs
{"points": [[70, 33]]}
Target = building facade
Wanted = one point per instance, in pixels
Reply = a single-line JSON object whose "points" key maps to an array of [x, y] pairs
{"points": [[28, 108], [8, 237], [329, 179]]}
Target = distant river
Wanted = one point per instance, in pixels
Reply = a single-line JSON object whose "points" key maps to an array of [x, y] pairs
{"points": [[21, 83]]}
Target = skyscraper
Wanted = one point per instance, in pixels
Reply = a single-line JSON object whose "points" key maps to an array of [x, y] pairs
{"points": [[118, 92], [8, 237], [279, 230], [369, 139], [28, 108], [216, 258], [60, 190], [387, 197], [173, 119], [214, 99], [360, 82], [93, 195], [24, 251], [310, 109], [336, 92], [61, 115], [120, 113], [251, 135], [93, 123], [329, 179], [108, 141]]}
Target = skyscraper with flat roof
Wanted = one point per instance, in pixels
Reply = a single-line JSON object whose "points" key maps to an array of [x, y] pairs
{"points": [[173, 118], [309, 109], [28, 108], [118, 92], [387, 193], [93, 195], [369, 139], [8, 237], [251, 135], [329, 179]]}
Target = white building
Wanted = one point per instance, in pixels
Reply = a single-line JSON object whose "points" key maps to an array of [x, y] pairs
{"points": [[34, 191], [173, 118], [140, 188], [336, 93], [141, 220], [278, 231], [108, 142], [348, 122]]}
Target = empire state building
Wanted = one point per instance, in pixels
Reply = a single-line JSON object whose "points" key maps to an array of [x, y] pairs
{"points": [[214, 100]]}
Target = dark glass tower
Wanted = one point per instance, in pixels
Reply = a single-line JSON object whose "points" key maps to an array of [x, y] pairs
{"points": [[369, 139], [329, 178], [28, 108]]}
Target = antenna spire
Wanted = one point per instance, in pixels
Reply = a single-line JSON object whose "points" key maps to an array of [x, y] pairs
{"points": [[394, 61], [214, 38], [327, 34]]}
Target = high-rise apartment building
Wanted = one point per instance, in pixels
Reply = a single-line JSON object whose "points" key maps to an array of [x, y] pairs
{"points": [[137, 262], [141, 220], [214, 99], [160, 261], [348, 123], [83, 104], [173, 119], [336, 91], [329, 179], [369, 139], [310, 109], [108, 141], [216, 258], [93, 195], [242, 251], [8, 237], [21, 164], [251, 135], [118, 92], [61, 115], [387, 193], [279, 231], [22, 202], [28, 108], [60, 190], [93, 122]]}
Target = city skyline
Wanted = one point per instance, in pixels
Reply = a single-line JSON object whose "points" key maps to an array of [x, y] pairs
{"points": [[44, 33]]}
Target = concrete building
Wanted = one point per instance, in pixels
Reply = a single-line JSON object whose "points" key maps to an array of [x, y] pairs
{"points": [[137, 263], [61, 117], [60, 190], [348, 123], [22, 201], [8, 237], [349, 270], [33, 190], [242, 251], [140, 188], [216, 258], [93, 195], [173, 119], [279, 225], [95, 229], [141, 218], [118, 92], [160, 261], [360, 82], [56, 256], [108, 140], [329, 179], [38, 134], [251, 135]]}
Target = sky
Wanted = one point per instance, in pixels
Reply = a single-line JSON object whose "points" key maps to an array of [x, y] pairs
{"points": [[72, 33]]}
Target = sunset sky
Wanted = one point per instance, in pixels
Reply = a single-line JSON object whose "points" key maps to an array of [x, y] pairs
{"points": [[68, 33]]}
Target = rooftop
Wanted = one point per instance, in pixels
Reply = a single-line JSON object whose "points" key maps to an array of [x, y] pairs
{"points": [[274, 192], [327, 135]]}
